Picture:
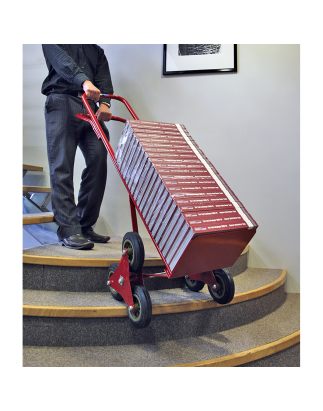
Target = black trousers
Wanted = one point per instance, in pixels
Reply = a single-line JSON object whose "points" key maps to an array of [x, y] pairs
{"points": [[64, 133]]}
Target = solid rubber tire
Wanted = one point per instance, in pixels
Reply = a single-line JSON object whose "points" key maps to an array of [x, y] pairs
{"points": [[142, 318], [114, 293], [194, 285], [225, 293], [136, 251]]}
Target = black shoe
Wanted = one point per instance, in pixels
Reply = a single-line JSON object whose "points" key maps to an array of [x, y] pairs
{"points": [[77, 242], [96, 238]]}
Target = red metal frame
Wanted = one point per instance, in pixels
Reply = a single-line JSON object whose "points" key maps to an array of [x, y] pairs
{"points": [[207, 278], [123, 279], [133, 215], [130, 278], [122, 273], [91, 118]]}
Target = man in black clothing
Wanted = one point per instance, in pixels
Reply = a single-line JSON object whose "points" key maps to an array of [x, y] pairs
{"points": [[75, 69]]}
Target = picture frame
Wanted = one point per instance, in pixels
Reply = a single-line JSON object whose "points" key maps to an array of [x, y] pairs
{"points": [[199, 58]]}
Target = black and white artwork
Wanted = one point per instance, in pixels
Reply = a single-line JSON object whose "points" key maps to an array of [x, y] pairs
{"points": [[199, 58], [198, 49]]}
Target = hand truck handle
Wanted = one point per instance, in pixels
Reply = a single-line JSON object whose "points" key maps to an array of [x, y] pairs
{"points": [[87, 117], [125, 102], [91, 118]]}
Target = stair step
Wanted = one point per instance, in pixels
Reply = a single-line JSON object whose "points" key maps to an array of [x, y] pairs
{"points": [[87, 327], [102, 255], [36, 189], [31, 168], [54, 254], [225, 347], [37, 218], [177, 314], [252, 283], [52, 267]]}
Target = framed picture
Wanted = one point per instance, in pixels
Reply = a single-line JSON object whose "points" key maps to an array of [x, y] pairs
{"points": [[199, 58]]}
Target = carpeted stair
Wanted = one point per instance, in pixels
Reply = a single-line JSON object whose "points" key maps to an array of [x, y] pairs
{"points": [[70, 318]]}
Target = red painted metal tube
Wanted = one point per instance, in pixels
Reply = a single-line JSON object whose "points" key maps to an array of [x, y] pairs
{"points": [[124, 101], [133, 215], [122, 120], [91, 118], [86, 117]]}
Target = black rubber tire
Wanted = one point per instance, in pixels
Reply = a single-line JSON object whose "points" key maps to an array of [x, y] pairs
{"points": [[114, 293], [141, 317], [225, 292], [136, 251], [194, 285]]}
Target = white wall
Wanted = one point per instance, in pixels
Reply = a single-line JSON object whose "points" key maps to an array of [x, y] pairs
{"points": [[247, 123]]}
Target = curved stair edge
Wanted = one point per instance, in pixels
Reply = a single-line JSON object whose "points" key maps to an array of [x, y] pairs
{"points": [[79, 262], [248, 356], [157, 309], [89, 262]]}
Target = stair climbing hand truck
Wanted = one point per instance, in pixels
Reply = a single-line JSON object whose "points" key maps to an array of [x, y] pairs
{"points": [[196, 222]]}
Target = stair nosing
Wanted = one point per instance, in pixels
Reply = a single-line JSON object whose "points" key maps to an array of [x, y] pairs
{"points": [[231, 360], [89, 262], [29, 167], [247, 356], [36, 189], [157, 309], [37, 218], [79, 262]]}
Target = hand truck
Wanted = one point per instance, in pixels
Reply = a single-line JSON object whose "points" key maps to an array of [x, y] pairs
{"points": [[208, 252]]}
